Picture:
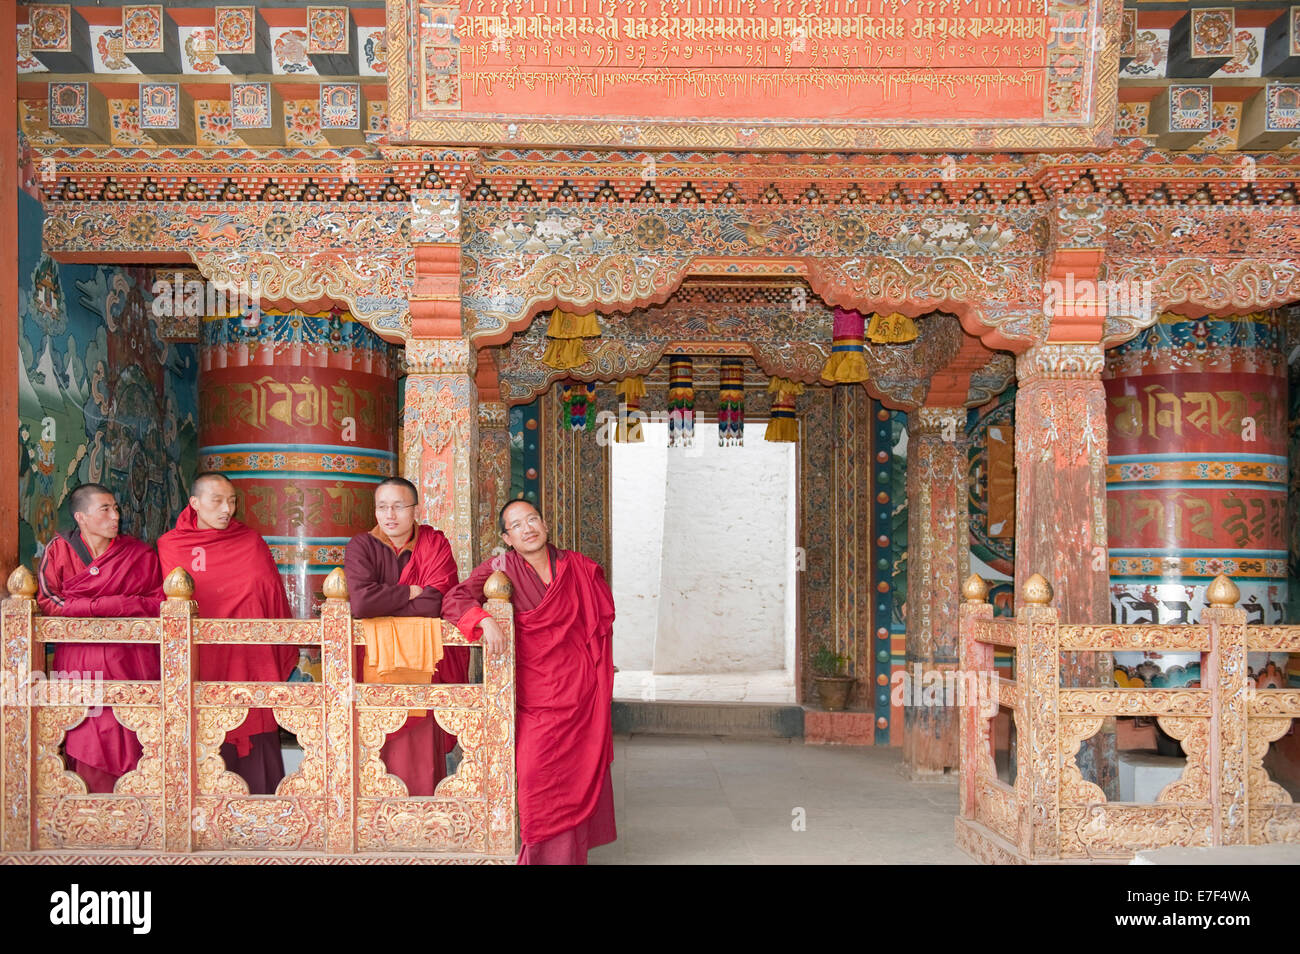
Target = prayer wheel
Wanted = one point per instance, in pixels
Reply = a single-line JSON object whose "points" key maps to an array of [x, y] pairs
{"points": [[300, 411], [1196, 481]]}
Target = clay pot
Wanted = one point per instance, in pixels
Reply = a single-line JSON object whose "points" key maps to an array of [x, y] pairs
{"points": [[833, 691]]}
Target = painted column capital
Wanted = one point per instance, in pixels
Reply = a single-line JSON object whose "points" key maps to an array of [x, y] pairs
{"points": [[493, 414], [1060, 362], [947, 422], [440, 356]]}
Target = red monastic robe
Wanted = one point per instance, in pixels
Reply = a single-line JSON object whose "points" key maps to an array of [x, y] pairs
{"points": [[379, 582], [564, 687], [125, 580], [235, 577]]}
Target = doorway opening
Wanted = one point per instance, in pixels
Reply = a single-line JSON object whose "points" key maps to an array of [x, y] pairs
{"points": [[705, 568]]}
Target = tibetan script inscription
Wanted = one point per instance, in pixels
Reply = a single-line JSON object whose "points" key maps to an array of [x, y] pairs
{"points": [[267, 404], [990, 63]]}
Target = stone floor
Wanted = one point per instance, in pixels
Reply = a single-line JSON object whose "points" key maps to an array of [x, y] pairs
{"points": [[694, 800]]}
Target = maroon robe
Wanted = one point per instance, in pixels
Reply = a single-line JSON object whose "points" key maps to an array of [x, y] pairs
{"points": [[124, 580], [235, 577], [564, 687], [379, 584]]}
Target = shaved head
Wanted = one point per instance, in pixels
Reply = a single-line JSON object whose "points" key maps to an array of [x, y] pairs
{"points": [[214, 499], [202, 478], [400, 482], [96, 514], [80, 499]]}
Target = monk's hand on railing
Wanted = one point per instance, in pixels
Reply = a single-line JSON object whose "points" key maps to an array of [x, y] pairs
{"points": [[494, 641]]}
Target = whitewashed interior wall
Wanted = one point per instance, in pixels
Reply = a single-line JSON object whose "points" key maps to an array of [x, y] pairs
{"points": [[704, 554]]}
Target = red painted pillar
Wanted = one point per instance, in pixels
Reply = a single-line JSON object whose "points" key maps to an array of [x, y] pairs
{"points": [[440, 417], [9, 174], [939, 554], [1061, 509]]}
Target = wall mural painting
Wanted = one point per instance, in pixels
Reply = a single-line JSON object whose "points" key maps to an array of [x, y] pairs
{"points": [[101, 396], [992, 488], [525, 458]]}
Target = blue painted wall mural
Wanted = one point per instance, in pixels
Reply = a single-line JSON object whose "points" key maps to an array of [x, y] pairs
{"points": [[102, 397]]}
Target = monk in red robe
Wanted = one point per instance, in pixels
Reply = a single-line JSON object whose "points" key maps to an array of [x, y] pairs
{"points": [[96, 571], [564, 685], [235, 577], [403, 569]]}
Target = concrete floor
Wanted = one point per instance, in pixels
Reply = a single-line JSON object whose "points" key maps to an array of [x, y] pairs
{"points": [[691, 800]]}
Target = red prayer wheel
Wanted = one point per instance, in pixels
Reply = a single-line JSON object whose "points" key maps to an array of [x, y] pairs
{"points": [[1196, 480], [300, 411]]}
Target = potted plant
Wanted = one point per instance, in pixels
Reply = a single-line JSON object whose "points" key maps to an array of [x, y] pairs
{"points": [[833, 685]]}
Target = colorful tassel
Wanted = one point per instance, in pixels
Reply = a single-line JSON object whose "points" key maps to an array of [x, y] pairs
{"points": [[579, 403], [632, 390], [681, 403], [891, 329], [731, 403], [564, 336], [847, 363], [783, 428]]}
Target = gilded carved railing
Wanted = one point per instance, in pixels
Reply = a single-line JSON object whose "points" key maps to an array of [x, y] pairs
{"points": [[1051, 813], [180, 804]]}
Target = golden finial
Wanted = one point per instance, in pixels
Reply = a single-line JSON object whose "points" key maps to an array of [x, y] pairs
{"points": [[336, 584], [1037, 590], [22, 583], [1221, 592], [498, 587], [178, 585], [975, 590]]}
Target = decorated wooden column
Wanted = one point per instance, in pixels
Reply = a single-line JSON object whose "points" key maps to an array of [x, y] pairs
{"points": [[1197, 480], [300, 411], [939, 555], [439, 426], [493, 474], [1061, 509], [493, 456], [440, 407]]}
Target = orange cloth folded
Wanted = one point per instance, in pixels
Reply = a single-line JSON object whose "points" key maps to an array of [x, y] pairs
{"points": [[402, 650]]}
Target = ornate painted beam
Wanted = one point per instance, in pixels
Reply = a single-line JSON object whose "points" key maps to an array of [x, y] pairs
{"points": [[303, 253]]}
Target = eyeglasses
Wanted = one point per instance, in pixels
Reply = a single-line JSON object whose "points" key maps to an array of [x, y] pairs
{"points": [[395, 508], [531, 521]]}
